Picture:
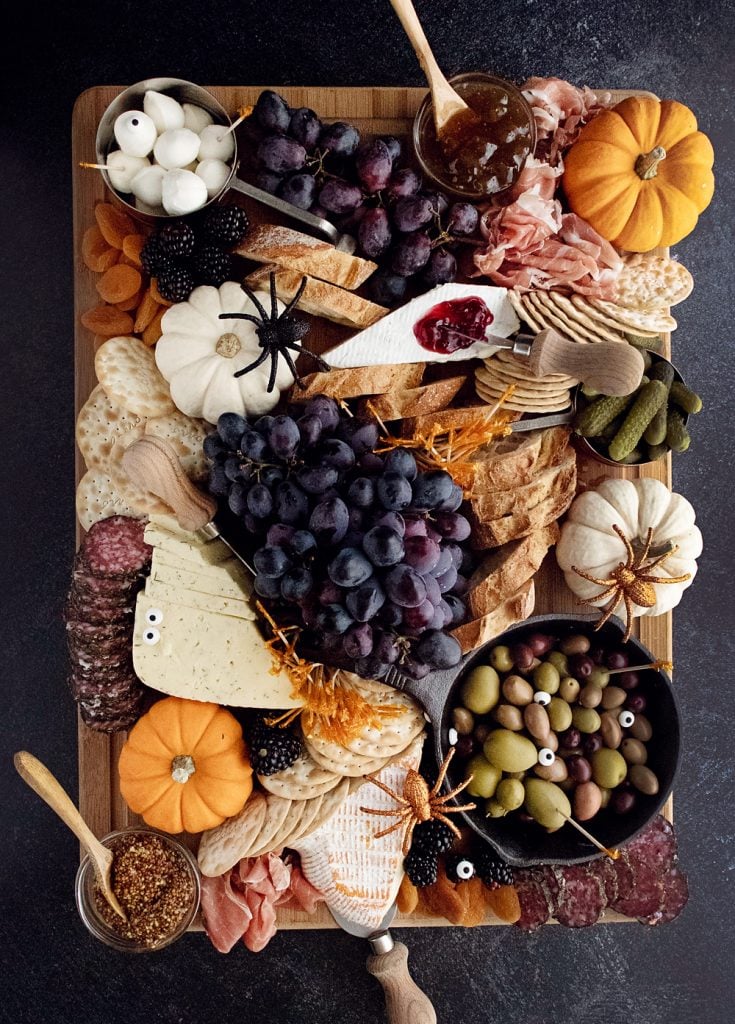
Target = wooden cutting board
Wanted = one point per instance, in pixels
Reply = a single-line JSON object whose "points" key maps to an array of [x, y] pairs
{"points": [[381, 111]]}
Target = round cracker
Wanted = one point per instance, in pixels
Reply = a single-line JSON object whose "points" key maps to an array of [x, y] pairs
{"points": [[522, 405], [301, 781], [396, 731], [523, 389], [633, 319], [519, 368], [99, 424], [332, 757], [98, 497], [276, 811], [652, 282], [126, 369], [568, 311], [582, 304], [224, 846], [327, 806], [550, 319], [186, 437]]}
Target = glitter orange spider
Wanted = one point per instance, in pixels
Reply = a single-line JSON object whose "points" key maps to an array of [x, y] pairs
{"points": [[419, 803], [631, 582]]}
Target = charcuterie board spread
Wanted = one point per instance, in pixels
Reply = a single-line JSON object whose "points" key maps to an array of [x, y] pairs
{"points": [[377, 544]]}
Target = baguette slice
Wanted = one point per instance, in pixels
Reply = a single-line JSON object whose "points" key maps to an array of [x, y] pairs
{"points": [[506, 569], [414, 401], [476, 632], [318, 297], [359, 381], [446, 418], [508, 501], [514, 460], [495, 532], [273, 243]]}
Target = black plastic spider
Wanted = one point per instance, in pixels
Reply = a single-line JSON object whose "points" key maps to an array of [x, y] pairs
{"points": [[277, 334]]}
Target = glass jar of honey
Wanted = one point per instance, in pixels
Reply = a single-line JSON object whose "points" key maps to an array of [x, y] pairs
{"points": [[481, 154]]}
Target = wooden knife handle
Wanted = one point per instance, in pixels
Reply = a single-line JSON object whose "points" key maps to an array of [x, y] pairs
{"points": [[152, 464], [610, 367], [404, 1000]]}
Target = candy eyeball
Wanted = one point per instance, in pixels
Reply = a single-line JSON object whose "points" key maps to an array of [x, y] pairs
{"points": [[214, 174], [122, 168], [542, 698], [163, 110], [196, 118], [147, 185], [135, 133], [176, 148], [154, 616], [452, 736], [626, 719], [183, 192], [465, 869], [546, 756], [151, 636], [216, 143]]}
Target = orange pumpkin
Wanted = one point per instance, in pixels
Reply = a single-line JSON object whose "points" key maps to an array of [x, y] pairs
{"points": [[184, 766], [641, 173]]}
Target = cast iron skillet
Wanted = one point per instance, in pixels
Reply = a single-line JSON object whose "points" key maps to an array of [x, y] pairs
{"points": [[527, 845]]}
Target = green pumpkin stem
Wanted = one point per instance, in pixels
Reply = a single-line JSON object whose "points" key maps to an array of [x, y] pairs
{"points": [[646, 166]]}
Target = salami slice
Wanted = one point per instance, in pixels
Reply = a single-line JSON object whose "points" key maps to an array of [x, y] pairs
{"points": [[121, 684], [99, 610], [87, 585], [606, 871], [673, 897], [551, 881], [534, 910], [655, 845], [643, 898], [115, 547], [583, 898], [110, 723]]}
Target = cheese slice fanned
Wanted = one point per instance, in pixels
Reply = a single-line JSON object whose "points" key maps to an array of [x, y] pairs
{"points": [[357, 874]]}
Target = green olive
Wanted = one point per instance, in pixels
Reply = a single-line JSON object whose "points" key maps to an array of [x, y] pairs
{"points": [[590, 696], [569, 689], [585, 719], [577, 644], [500, 658], [605, 795], [481, 690], [463, 721], [608, 767], [559, 661], [641, 729], [494, 809], [485, 777], [546, 677], [547, 803], [509, 751], [599, 676], [560, 714], [643, 779], [510, 793], [613, 697]]}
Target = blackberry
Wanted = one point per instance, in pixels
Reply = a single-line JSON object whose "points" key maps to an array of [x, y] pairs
{"points": [[459, 868], [225, 225], [153, 258], [492, 870], [432, 837], [175, 283], [422, 869], [177, 239], [211, 266], [271, 749]]}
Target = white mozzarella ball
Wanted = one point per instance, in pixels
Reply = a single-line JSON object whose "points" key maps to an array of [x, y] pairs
{"points": [[183, 192], [214, 174], [155, 211], [147, 185], [215, 144], [122, 168], [196, 117], [176, 148], [163, 110], [135, 133]]}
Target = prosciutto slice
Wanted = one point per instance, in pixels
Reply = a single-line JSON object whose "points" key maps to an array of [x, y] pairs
{"points": [[241, 904], [560, 111]]}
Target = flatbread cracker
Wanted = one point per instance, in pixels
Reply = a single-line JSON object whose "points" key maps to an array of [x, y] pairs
{"points": [[276, 812], [290, 824], [582, 303], [657, 320], [126, 369], [98, 497], [595, 328], [99, 424], [516, 300], [221, 848], [550, 319], [303, 780], [186, 437]]}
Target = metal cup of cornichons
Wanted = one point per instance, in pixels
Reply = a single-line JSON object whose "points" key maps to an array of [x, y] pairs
{"points": [[188, 92]]}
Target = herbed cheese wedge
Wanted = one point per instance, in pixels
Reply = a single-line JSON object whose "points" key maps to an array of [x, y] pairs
{"points": [[228, 579], [211, 552], [201, 655], [238, 607]]}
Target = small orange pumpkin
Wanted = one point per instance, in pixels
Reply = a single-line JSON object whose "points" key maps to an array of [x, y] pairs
{"points": [[641, 173], [185, 767]]}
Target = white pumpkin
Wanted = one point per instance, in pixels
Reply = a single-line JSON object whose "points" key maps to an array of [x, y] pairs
{"points": [[589, 542], [199, 354]]}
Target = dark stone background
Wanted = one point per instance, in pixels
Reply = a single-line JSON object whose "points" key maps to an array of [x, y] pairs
{"points": [[52, 970]]}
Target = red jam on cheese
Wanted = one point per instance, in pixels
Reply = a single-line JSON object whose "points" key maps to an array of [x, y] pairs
{"points": [[453, 325]]}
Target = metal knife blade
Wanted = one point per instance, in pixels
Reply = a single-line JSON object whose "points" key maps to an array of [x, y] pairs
{"points": [[359, 930]]}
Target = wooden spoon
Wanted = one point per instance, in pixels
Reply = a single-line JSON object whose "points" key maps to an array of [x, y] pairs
{"points": [[41, 781], [447, 103]]}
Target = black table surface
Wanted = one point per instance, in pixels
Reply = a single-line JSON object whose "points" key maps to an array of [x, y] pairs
{"points": [[51, 970]]}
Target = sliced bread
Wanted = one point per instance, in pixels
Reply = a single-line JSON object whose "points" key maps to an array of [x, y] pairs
{"points": [[514, 460], [358, 381], [414, 401], [507, 568], [476, 632], [445, 419], [507, 501], [318, 297], [273, 243]]}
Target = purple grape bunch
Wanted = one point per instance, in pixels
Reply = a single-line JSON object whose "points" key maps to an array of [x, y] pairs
{"points": [[368, 551], [413, 233]]}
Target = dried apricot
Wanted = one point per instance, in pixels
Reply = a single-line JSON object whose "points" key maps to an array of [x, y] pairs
{"points": [[442, 899], [128, 305], [157, 295], [126, 261], [504, 903], [97, 255], [132, 245], [119, 283], [107, 321], [153, 331], [472, 893], [408, 896], [113, 223], [145, 313]]}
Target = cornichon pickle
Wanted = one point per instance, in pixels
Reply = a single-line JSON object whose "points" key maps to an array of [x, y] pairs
{"points": [[655, 432], [656, 451], [685, 398], [654, 343], [649, 400], [677, 435], [647, 359], [632, 459], [598, 414]]}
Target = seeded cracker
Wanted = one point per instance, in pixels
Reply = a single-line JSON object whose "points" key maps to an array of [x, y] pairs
{"points": [[127, 371]]}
